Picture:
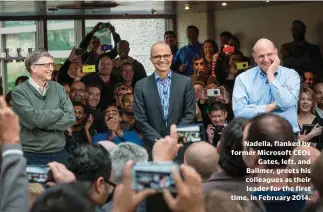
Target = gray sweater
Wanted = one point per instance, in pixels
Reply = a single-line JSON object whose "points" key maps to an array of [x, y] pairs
{"points": [[43, 119]]}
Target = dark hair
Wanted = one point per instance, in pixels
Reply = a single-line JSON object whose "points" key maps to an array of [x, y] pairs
{"points": [[270, 128], [236, 42], [193, 27], [197, 82], [300, 23], [8, 98], [61, 198], [124, 42], [88, 162], [170, 33], [80, 104], [126, 95], [231, 139], [226, 34], [217, 105], [21, 78], [118, 109], [93, 86], [198, 57], [215, 46], [125, 64]]}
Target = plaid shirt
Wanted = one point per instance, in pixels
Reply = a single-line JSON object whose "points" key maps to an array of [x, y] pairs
{"points": [[163, 87]]}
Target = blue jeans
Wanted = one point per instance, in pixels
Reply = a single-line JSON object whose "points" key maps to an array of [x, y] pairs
{"points": [[44, 159]]}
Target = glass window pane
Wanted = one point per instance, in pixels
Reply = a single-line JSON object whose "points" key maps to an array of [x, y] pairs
{"points": [[19, 38], [140, 33], [61, 39]]}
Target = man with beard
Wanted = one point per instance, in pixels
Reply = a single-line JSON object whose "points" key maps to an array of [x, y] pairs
{"points": [[123, 51], [127, 112], [78, 92], [104, 79], [301, 55], [44, 111], [80, 132]]}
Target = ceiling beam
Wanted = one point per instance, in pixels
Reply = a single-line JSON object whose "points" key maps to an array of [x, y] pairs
{"points": [[81, 17]]}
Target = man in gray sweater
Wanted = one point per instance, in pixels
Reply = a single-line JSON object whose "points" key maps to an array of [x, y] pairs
{"points": [[44, 111]]}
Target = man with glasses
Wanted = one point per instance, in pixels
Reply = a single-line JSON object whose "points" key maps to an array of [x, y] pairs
{"points": [[45, 112], [78, 92], [301, 55], [91, 165], [163, 98]]}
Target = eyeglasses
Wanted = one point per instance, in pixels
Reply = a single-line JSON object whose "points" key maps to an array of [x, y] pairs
{"points": [[78, 90], [110, 183], [46, 65], [159, 57]]}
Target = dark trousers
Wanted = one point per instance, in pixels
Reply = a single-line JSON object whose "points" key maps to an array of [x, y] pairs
{"points": [[44, 159]]}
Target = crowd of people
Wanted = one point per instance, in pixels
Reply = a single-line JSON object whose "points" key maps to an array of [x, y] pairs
{"points": [[90, 128]]}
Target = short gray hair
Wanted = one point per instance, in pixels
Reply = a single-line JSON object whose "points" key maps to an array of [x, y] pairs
{"points": [[34, 57], [121, 155]]}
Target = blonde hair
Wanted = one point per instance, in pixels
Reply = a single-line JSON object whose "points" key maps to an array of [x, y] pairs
{"points": [[313, 98]]}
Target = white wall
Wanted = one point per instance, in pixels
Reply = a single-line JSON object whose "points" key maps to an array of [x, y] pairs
{"points": [[272, 22], [184, 20]]}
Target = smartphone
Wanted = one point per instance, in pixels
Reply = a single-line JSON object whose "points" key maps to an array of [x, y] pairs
{"points": [[37, 173], [213, 92], [105, 47], [88, 68], [228, 49], [242, 65], [308, 128], [80, 51], [190, 133], [152, 175]]}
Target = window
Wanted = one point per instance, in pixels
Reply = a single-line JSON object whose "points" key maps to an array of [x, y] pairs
{"points": [[17, 34], [140, 33], [61, 39]]}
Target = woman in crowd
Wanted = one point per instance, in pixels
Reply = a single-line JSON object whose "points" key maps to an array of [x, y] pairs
{"points": [[210, 48], [306, 115]]}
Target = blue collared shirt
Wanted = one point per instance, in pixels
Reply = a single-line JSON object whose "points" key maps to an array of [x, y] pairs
{"points": [[186, 54], [252, 92], [163, 87]]}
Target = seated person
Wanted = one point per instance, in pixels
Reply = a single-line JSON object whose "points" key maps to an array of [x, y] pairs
{"points": [[127, 74], [112, 119], [306, 115], [120, 90], [93, 97], [81, 131], [218, 117]]}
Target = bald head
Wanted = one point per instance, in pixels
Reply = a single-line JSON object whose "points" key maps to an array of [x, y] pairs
{"points": [[159, 45], [264, 53], [263, 43], [203, 157]]}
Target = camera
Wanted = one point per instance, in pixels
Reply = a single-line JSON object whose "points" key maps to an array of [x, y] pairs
{"points": [[242, 65], [105, 25], [213, 92]]}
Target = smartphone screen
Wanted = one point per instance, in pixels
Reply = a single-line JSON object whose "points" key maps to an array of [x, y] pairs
{"points": [[37, 174], [190, 133], [151, 175], [308, 128]]}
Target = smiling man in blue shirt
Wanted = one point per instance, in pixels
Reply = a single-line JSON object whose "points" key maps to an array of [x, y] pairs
{"points": [[267, 87]]}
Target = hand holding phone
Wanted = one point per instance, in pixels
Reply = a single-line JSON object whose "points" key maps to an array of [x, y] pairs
{"points": [[37, 173], [190, 133], [124, 192], [154, 175]]}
